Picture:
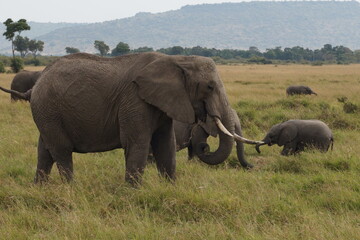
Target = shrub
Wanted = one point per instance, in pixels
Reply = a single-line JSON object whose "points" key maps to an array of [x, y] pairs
{"points": [[317, 63], [2, 67], [259, 60], [17, 64], [342, 99], [350, 107], [33, 61]]}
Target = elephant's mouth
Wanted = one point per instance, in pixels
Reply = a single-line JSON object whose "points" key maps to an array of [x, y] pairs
{"points": [[200, 111]]}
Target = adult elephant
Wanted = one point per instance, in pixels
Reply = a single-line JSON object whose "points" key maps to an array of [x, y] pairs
{"points": [[295, 135], [23, 81], [86, 103], [298, 90], [194, 138]]}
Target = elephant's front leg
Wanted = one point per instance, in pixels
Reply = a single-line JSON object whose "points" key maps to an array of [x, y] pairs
{"points": [[289, 148], [191, 152], [136, 155], [164, 149]]}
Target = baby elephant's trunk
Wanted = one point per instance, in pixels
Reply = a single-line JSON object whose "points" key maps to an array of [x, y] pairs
{"points": [[257, 147]]}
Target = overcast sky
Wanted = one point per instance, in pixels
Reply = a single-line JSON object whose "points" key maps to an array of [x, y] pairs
{"points": [[88, 11]]}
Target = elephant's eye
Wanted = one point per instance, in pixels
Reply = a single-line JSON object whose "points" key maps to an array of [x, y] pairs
{"points": [[211, 85]]}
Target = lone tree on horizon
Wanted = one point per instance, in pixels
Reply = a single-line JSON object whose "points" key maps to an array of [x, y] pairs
{"points": [[120, 49], [12, 28], [101, 47], [70, 50]]}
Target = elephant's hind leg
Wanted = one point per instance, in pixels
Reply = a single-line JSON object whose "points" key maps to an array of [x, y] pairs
{"points": [[58, 148], [64, 163], [45, 163], [164, 149]]}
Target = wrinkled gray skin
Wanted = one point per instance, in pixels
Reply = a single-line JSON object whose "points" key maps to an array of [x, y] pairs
{"points": [[194, 138], [295, 135], [294, 90], [23, 81], [85, 103]]}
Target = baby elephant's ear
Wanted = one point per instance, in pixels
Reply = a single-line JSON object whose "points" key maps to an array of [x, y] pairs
{"points": [[161, 83], [287, 134]]}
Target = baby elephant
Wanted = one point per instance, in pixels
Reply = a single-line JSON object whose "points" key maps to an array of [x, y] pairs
{"points": [[292, 90], [295, 135], [23, 81]]}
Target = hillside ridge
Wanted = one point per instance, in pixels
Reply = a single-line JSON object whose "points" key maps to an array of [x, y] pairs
{"points": [[262, 24]]}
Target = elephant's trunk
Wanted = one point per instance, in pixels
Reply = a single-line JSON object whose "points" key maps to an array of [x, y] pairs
{"points": [[225, 145], [257, 147], [240, 145]]}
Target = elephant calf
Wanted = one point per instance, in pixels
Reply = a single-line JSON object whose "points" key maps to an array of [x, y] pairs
{"points": [[295, 135], [23, 81], [194, 138], [293, 90]]}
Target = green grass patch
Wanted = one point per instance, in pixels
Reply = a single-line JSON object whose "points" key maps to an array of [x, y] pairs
{"points": [[311, 195]]}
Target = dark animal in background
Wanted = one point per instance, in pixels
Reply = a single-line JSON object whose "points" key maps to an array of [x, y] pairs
{"points": [[294, 90], [194, 138], [295, 135], [86, 103], [23, 81]]}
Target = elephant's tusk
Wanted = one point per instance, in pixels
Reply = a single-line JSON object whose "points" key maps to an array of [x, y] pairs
{"points": [[245, 140], [222, 127], [236, 136]]}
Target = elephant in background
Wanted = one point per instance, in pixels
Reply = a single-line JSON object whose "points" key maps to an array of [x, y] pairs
{"points": [[295, 135], [294, 90], [86, 103], [23, 81], [194, 138]]}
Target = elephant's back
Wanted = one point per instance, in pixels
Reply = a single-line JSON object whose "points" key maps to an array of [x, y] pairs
{"points": [[294, 89], [316, 129]]}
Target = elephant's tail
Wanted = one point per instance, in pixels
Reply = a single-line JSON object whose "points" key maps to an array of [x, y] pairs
{"points": [[24, 96]]}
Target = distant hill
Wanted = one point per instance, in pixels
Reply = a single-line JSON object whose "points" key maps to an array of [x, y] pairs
{"points": [[228, 25]]}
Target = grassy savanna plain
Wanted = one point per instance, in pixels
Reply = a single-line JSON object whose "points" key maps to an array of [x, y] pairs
{"points": [[308, 196]]}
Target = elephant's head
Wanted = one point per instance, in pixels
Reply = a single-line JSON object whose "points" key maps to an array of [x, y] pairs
{"points": [[309, 91], [188, 89], [279, 134]]}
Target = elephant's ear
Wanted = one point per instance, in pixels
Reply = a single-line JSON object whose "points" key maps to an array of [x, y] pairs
{"points": [[162, 84], [209, 126], [287, 134]]}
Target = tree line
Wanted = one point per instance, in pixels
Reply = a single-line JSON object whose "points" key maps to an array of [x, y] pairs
{"points": [[326, 54]]}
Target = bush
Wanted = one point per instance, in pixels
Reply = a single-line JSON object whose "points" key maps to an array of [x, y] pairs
{"points": [[342, 99], [17, 64], [350, 107], [32, 61], [259, 60], [2, 67], [317, 63]]}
